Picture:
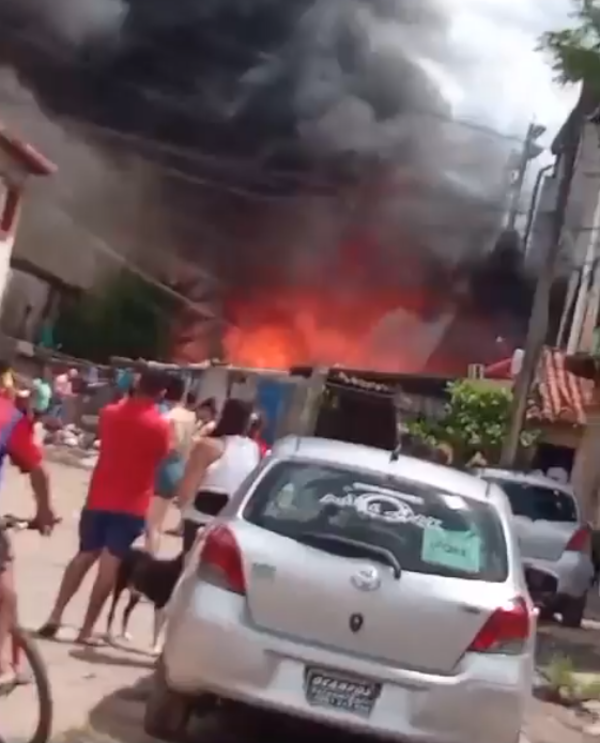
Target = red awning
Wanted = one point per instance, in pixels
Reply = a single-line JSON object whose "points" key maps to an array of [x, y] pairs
{"points": [[499, 370]]}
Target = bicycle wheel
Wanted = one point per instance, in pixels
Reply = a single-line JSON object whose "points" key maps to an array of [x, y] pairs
{"points": [[27, 659]]}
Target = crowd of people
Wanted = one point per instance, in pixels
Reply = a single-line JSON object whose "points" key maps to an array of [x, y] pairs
{"points": [[157, 446]]}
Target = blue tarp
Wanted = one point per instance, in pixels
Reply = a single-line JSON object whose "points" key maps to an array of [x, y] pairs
{"points": [[272, 398]]}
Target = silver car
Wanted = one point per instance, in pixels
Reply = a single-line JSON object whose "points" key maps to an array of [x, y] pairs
{"points": [[344, 586], [552, 536]]}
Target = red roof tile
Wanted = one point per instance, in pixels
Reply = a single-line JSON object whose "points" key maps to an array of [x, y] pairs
{"points": [[32, 160], [558, 395]]}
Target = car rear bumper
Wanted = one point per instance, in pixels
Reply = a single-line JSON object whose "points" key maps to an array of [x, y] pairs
{"points": [[211, 648], [574, 572]]}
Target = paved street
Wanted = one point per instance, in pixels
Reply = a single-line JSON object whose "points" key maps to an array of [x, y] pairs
{"points": [[99, 693]]}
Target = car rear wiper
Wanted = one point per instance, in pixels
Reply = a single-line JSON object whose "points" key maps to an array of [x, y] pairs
{"points": [[382, 553]]}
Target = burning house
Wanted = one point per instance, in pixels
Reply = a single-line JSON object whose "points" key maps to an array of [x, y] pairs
{"points": [[305, 155]]}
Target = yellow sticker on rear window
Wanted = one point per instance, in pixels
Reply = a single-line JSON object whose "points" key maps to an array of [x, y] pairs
{"points": [[460, 550]]}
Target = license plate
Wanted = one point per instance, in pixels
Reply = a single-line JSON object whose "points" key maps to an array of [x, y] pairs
{"points": [[330, 689]]}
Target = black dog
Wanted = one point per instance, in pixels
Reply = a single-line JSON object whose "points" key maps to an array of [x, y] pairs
{"points": [[144, 575]]}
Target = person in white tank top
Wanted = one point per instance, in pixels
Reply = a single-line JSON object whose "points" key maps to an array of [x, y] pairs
{"points": [[217, 466]]}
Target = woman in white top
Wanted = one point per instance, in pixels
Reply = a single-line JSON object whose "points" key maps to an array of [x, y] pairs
{"points": [[217, 466]]}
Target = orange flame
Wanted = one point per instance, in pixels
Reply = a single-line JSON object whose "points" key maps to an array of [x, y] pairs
{"points": [[295, 327], [355, 314]]}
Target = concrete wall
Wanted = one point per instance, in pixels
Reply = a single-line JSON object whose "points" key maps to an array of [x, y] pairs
{"points": [[48, 240], [7, 239], [584, 193]]}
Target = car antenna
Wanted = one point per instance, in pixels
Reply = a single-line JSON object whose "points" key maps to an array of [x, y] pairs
{"points": [[395, 456]]}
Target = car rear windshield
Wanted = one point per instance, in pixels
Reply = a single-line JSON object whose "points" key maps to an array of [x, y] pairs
{"points": [[538, 502], [411, 525]]}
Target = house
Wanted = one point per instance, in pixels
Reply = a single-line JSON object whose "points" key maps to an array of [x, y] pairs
{"points": [[561, 407], [19, 162], [579, 255]]}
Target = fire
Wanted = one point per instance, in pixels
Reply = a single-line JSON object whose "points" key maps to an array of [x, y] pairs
{"points": [[294, 327], [361, 309]]}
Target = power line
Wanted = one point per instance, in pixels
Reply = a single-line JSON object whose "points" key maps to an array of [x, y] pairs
{"points": [[179, 174], [103, 247], [488, 207]]}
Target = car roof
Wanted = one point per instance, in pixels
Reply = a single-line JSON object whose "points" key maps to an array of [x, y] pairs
{"points": [[356, 456], [529, 478]]}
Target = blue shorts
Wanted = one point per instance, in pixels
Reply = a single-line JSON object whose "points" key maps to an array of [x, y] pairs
{"points": [[168, 477], [108, 530]]}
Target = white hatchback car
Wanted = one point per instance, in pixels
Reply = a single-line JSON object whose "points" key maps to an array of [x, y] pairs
{"points": [[373, 593], [553, 537]]}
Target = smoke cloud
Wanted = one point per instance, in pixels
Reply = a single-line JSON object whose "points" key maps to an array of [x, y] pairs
{"points": [[326, 122]]}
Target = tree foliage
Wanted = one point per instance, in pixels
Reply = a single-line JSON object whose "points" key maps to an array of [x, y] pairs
{"points": [[575, 51], [475, 421], [125, 317]]}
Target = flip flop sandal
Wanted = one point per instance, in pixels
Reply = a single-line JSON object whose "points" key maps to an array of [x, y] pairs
{"points": [[90, 642], [48, 631]]}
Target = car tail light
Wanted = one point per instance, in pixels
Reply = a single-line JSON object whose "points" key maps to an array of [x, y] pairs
{"points": [[580, 541], [505, 631], [220, 561]]}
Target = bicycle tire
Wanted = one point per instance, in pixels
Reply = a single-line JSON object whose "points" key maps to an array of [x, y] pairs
{"points": [[27, 645]]}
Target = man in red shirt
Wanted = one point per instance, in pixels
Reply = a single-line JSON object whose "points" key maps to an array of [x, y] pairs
{"points": [[134, 439], [17, 441]]}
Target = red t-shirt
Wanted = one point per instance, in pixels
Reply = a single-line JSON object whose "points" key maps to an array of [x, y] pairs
{"points": [[21, 446], [134, 439]]}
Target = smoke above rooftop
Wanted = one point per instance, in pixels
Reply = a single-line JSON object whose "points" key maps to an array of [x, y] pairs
{"points": [[321, 134]]}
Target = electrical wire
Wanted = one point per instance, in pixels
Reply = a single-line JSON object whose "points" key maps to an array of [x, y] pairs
{"points": [[98, 243], [488, 207], [201, 182]]}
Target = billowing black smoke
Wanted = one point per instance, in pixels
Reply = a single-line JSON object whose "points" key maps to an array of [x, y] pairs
{"points": [[309, 121]]}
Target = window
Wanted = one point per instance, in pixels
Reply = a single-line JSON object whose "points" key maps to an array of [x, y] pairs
{"points": [[355, 514], [538, 502]]}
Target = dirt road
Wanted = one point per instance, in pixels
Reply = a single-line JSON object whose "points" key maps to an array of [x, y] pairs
{"points": [[81, 679], [99, 693]]}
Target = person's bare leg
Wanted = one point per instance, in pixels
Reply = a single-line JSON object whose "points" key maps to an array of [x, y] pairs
{"points": [[8, 619], [72, 579], [108, 567], [160, 617], [154, 523]]}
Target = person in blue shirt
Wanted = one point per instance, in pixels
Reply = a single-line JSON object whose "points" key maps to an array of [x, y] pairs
{"points": [[41, 397], [45, 337], [125, 379]]}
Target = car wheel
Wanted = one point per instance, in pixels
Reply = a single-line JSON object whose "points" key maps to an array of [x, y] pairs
{"points": [[167, 712], [572, 612]]}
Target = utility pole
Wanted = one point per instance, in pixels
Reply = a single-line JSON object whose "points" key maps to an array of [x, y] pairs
{"points": [[533, 204], [538, 321], [529, 152]]}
